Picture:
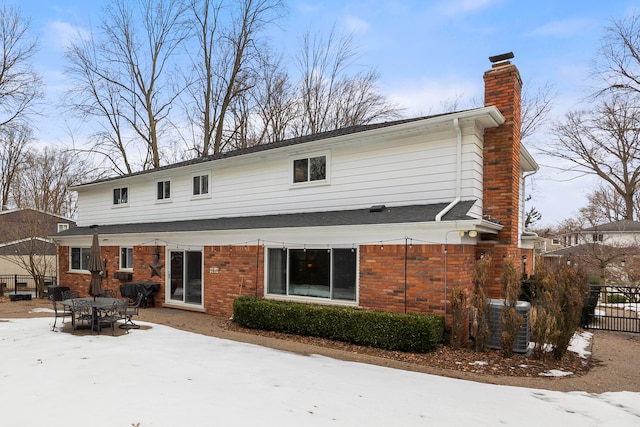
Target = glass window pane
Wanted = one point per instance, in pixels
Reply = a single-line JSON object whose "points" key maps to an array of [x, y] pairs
{"points": [[318, 168], [160, 193], [85, 258], [75, 258], [309, 272], [277, 275], [196, 185], [204, 184], [124, 196], [167, 189], [116, 196], [300, 169], [193, 268], [344, 274]]}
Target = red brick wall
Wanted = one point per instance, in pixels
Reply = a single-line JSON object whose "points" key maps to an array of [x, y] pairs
{"points": [[143, 256], [239, 269], [382, 276]]}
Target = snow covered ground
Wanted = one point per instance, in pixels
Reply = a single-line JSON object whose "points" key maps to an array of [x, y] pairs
{"points": [[167, 377]]}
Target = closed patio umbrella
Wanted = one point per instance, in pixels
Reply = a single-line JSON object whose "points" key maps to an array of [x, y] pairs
{"points": [[95, 267]]}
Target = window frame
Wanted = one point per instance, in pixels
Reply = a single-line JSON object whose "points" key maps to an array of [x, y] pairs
{"points": [[310, 182], [62, 226], [118, 202], [123, 266], [200, 195], [83, 253], [164, 198], [278, 275]]}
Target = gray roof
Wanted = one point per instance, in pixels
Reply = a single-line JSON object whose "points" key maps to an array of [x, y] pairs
{"points": [[388, 215], [624, 225]]}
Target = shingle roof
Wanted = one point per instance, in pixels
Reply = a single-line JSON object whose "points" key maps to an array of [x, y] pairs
{"points": [[624, 225], [388, 215]]}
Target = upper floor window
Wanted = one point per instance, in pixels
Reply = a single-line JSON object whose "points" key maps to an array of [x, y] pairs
{"points": [[126, 258], [310, 169], [121, 196], [164, 190], [597, 237], [79, 258], [200, 185], [62, 226]]}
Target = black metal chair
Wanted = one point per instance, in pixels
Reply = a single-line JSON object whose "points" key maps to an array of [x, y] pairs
{"points": [[83, 314], [69, 294], [64, 312], [113, 314], [130, 311]]}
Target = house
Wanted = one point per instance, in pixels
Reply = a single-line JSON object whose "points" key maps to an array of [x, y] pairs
{"points": [[387, 216], [617, 233], [24, 234], [610, 251]]}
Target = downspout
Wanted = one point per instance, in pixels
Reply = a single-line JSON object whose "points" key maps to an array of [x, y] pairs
{"points": [[455, 201]]}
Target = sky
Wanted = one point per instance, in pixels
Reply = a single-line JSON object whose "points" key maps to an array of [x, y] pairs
{"points": [[166, 377], [427, 52]]}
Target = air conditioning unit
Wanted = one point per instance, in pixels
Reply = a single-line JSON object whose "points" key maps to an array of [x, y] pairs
{"points": [[521, 343]]}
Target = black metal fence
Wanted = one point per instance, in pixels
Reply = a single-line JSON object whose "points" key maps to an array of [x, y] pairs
{"points": [[23, 284], [613, 308]]}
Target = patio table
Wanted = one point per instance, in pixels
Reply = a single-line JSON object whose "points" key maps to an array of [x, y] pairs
{"points": [[97, 303]]}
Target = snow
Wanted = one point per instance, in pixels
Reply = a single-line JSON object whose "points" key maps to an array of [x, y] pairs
{"points": [[167, 377]]}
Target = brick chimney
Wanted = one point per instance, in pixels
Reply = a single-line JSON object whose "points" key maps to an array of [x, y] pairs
{"points": [[501, 153]]}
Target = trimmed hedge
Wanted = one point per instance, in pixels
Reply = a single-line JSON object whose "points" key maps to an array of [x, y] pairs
{"points": [[403, 332]]}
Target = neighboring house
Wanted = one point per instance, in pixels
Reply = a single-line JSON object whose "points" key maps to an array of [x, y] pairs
{"points": [[610, 251], [23, 234], [388, 216], [616, 233]]}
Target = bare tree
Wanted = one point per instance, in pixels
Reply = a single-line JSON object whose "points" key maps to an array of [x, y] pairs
{"points": [[14, 143], [605, 205], [44, 181], [330, 97], [536, 107], [227, 67], [20, 85], [618, 62], [124, 76], [604, 142]]}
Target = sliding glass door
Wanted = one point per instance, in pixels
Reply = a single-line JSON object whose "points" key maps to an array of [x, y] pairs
{"points": [[185, 277]]}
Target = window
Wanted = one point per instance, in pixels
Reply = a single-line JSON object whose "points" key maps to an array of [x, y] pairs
{"points": [[311, 169], [79, 258], [555, 241], [597, 237], [164, 190], [317, 273], [200, 185], [62, 226], [121, 196], [126, 258]]}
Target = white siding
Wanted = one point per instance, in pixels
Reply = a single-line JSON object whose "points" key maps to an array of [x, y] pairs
{"points": [[385, 168]]}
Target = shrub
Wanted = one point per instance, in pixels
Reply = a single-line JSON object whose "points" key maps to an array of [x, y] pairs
{"points": [[558, 301], [617, 299], [459, 330], [480, 323], [510, 320], [391, 331]]}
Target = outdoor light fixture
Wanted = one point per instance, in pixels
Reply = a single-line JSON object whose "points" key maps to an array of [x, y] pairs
{"points": [[470, 233]]}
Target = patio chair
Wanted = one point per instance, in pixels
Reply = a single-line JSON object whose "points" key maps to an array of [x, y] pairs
{"points": [[130, 311], [113, 314], [108, 293], [63, 312], [82, 314], [69, 294]]}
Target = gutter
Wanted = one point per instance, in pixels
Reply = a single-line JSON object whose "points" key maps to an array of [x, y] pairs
{"points": [[443, 212]]}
